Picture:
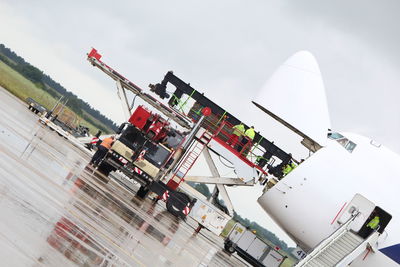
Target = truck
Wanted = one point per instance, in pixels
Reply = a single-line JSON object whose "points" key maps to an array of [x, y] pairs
{"points": [[146, 149], [252, 248]]}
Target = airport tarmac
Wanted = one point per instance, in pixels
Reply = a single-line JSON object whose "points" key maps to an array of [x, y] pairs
{"points": [[56, 212]]}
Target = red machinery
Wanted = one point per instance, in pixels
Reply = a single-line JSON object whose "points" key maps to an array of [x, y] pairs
{"points": [[140, 117], [150, 123]]}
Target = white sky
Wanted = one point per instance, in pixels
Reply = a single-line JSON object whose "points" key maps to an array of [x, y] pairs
{"points": [[226, 49]]}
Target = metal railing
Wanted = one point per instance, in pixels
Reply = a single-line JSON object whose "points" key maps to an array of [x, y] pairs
{"points": [[244, 148], [328, 241]]}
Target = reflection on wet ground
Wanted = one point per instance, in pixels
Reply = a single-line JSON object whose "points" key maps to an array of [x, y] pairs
{"points": [[55, 212]]}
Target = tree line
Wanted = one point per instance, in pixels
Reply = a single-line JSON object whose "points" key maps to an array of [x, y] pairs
{"points": [[55, 89]]}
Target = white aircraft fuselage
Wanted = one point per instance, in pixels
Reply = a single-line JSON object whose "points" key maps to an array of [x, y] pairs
{"points": [[312, 201], [308, 201]]}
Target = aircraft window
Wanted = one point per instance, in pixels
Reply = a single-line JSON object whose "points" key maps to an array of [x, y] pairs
{"points": [[350, 146], [343, 141], [335, 136]]}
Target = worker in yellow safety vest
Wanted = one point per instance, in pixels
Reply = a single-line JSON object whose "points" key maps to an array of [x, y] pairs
{"points": [[373, 224], [288, 168], [247, 140], [238, 131], [250, 133]]}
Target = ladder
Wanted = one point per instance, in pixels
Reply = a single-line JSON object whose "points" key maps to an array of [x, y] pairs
{"points": [[339, 249], [188, 161]]}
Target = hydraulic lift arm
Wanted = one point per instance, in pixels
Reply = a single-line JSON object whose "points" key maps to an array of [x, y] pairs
{"points": [[185, 88], [123, 83]]}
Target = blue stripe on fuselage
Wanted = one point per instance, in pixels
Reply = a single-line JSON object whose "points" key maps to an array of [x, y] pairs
{"points": [[392, 252]]}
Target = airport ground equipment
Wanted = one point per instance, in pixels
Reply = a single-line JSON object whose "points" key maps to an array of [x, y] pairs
{"points": [[341, 248], [181, 97], [205, 127], [250, 247], [35, 107], [184, 107], [146, 149], [352, 238]]}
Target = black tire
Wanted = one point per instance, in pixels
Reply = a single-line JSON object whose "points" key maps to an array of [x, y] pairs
{"points": [[229, 248], [142, 192], [180, 199]]}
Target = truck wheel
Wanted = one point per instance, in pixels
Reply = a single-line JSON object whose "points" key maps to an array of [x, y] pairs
{"points": [[229, 248], [142, 192], [180, 199]]}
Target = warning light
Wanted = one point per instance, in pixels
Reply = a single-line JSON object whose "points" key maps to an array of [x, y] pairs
{"points": [[206, 111]]}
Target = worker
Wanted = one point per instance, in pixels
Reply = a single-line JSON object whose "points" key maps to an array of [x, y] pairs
{"points": [[102, 150], [288, 168], [238, 131], [249, 135], [374, 223]]}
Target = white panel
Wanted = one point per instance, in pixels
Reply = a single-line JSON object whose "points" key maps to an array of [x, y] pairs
{"points": [[242, 169], [299, 253], [361, 204], [273, 259], [257, 248], [209, 216], [245, 240], [237, 233]]}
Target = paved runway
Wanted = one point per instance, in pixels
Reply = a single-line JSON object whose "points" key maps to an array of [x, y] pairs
{"points": [[55, 212]]}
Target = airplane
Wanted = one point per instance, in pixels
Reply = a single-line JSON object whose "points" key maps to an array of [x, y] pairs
{"points": [[326, 202]]}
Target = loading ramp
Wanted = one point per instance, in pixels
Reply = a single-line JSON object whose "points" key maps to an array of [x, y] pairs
{"points": [[341, 248]]}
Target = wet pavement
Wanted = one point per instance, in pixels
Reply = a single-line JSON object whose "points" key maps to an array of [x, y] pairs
{"points": [[56, 212]]}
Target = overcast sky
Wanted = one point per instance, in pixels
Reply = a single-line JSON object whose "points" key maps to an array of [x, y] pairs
{"points": [[226, 49]]}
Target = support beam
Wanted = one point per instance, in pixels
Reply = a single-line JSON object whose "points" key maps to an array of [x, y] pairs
{"points": [[124, 100], [218, 180], [221, 188]]}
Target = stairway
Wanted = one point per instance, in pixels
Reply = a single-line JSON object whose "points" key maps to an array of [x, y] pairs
{"points": [[337, 250], [340, 248]]}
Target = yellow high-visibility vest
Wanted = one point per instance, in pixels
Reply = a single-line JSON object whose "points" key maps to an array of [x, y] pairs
{"points": [[373, 224], [250, 133], [287, 169], [238, 129]]}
